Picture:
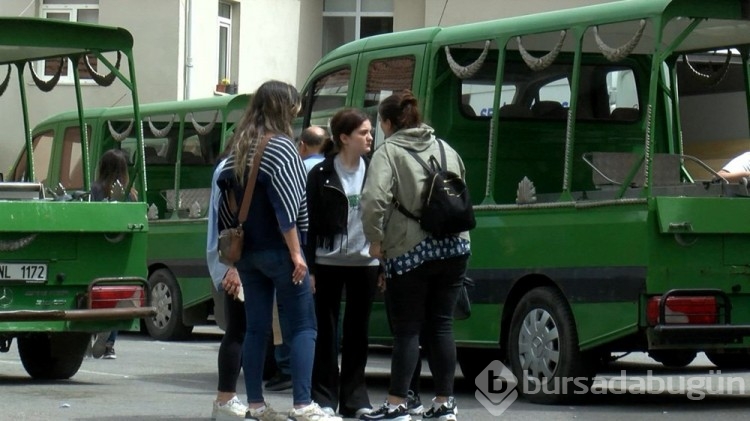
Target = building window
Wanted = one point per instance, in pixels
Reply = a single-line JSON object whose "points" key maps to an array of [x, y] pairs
{"points": [[349, 20], [225, 42], [86, 11]]}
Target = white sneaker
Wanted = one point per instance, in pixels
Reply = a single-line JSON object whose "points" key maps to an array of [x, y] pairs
{"points": [[265, 413], [328, 410], [233, 409], [312, 412]]}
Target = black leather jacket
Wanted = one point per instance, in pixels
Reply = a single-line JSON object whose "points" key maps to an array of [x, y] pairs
{"points": [[327, 206]]}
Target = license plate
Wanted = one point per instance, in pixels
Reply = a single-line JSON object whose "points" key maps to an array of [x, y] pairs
{"points": [[29, 272]]}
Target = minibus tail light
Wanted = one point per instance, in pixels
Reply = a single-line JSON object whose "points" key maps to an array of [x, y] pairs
{"points": [[684, 310], [114, 296]]}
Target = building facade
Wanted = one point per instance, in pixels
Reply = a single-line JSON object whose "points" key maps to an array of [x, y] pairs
{"points": [[196, 48]]}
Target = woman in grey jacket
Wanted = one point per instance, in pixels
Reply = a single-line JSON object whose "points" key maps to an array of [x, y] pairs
{"points": [[423, 274]]}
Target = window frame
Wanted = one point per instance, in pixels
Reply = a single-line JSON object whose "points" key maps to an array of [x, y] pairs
{"points": [[226, 24], [71, 9], [357, 14]]}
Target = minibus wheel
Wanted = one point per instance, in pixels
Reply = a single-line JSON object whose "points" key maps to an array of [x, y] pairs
{"points": [[543, 349], [53, 356], [167, 324], [673, 358]]}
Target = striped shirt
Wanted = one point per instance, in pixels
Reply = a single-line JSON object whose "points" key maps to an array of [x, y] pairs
{"points": [[279, 194]]}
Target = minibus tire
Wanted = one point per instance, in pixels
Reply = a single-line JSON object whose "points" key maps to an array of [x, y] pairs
{"points": [[547, 303], [673, 358], [166, 296], [53, 356]]}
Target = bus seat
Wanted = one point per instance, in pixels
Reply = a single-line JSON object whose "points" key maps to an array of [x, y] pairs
{"points": [[625, 114], [514, 111], [152, 157], [548, 109]]}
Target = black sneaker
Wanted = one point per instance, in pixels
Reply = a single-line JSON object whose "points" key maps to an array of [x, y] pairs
{"points": [[109, 353], [385, 413], [446, 411], [413, 403]]}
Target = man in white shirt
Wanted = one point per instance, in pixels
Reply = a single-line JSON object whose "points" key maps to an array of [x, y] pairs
{"points": [[737, 168]]}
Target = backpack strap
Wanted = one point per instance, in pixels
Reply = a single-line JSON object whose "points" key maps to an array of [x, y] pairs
{"points": [[429, 169]]}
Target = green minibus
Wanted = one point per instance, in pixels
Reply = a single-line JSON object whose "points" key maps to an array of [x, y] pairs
{"points": [[598, 233]]}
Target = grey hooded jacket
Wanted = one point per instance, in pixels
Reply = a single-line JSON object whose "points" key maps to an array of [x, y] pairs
{"points": [[394, 173]]}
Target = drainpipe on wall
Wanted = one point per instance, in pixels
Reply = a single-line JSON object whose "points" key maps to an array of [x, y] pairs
{"points": [[188, 48]]}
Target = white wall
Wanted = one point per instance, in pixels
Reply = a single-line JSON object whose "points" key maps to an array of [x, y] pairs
{"points": [[268, 44], [310, 42]]}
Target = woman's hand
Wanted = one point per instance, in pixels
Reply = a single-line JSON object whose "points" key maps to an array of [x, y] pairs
{"points": [[300, 268], [231, 282], [375, 250], [381, 282]]}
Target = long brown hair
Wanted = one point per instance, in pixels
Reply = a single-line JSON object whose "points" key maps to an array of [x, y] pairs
{"points": [[271, 111]]}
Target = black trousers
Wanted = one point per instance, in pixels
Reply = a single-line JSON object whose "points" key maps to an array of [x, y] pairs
{"points": [[422, 301], [344, 389], [230, 350]]}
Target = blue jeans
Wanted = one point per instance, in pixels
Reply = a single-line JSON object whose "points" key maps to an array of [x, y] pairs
{"points": [[281, 354], [262, 273]]}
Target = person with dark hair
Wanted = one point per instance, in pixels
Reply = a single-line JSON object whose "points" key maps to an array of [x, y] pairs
{"points": [[339, 260], [272, 261], [423, 274], [112, 179], [311, 143]]}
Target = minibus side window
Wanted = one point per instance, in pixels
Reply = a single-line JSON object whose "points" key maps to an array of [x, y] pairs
{"points": [[384, 77], [330, 91], [71, 160], [42, 144]]}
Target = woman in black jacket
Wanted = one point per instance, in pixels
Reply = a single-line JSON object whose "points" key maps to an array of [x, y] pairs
{"points": [[338, 259]]}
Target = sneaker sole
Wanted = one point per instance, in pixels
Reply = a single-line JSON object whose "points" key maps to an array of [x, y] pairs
{"points": [[416, 411], [406, 417], [99, 345], [228, 417]]}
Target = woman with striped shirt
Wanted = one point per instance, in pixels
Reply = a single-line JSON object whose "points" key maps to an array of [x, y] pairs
{"points": [[272, 260]]}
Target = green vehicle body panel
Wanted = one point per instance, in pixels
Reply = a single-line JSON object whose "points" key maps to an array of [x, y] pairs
{"points": [[83, 245], [607, 251]]}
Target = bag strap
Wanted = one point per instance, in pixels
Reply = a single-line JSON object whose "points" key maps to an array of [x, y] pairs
{"points": [[242, 216], [427, 168]]}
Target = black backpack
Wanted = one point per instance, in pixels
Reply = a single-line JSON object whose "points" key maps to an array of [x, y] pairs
{"points": [[446, 206]]}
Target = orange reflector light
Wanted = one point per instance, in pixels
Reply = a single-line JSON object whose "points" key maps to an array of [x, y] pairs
{"points": [[112, 296], [684, 310]]}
